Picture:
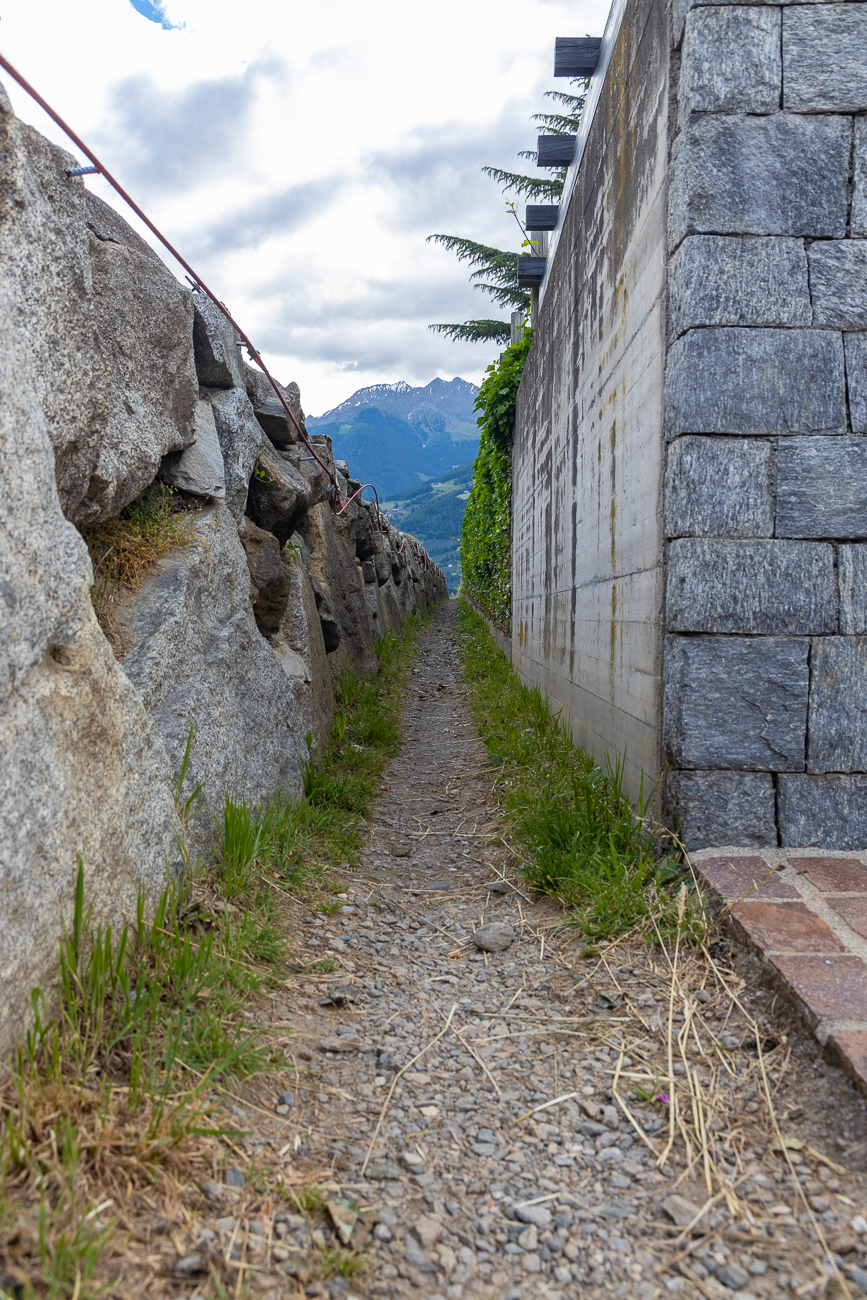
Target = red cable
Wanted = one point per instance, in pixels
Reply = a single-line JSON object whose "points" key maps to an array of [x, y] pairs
{"points": [[199, 284], [55, 117], [355, 494]]}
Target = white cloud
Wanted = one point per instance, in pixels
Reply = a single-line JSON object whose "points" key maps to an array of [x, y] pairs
{"points": [[170, 138], [298, 154]]}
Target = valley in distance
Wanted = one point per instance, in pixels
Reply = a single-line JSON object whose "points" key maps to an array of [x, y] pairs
{"points": [[417, 446]]}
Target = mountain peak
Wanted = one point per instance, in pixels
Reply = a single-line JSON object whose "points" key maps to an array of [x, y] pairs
{"points": [[397, 436], [438, 406]]}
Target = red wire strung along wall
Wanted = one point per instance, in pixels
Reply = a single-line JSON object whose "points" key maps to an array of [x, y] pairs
{"points": [[199, 286]]}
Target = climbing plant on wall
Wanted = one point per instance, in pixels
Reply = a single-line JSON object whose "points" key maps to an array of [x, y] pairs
{"points": [[486, 552]]}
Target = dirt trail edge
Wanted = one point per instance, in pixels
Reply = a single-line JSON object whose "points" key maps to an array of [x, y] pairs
{"points": [[462, 1099]]}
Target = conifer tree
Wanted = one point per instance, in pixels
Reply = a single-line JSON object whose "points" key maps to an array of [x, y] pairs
{"points": [[495, 270]]}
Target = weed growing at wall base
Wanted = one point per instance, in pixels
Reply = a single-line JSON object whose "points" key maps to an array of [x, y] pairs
{"points": [[108, 1093], [579, 837], [341, 780], [293, 841]]}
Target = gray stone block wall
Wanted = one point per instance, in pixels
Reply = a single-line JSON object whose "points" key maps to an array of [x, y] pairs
{"points": [[856, 380], [738, 280], [822, 487], [756, 381], [765, 717], [838, 705], [852, 574], [681, 9], [732, 61], [838, 282], [720, 487], [716, 808], [824, 68], [757, 587], [737, 703], [689, 460], [859, 179], [786, 174], [822, 811]]}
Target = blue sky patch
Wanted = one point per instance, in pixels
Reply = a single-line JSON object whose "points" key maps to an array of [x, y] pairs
{"points": [[153, 10]]}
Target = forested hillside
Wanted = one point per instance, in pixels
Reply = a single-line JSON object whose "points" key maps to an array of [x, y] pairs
{"points": [[397, 437], [434, 512]]}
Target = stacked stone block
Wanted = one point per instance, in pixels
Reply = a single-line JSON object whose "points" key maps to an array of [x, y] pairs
{"points": [[765, 718]]}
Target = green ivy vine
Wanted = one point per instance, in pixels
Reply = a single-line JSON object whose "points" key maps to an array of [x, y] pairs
{"points": [[486, 550]]}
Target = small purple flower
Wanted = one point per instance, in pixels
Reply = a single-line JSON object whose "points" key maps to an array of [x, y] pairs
{"points": [[663, 1097]]}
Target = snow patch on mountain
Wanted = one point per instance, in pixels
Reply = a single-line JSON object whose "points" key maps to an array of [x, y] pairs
{"points": [[436, 407]]}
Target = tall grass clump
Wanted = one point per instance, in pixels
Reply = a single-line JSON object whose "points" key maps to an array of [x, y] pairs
{"points": [[147, 1007], [580, 838], [108, 1090]]}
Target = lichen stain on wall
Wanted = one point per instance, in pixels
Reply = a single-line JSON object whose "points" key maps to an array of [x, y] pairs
{"points": [[635, 123], [612, 668]]}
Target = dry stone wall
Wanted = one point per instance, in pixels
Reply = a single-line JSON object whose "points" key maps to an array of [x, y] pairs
{"points": [[740, 684], [114, 376]]}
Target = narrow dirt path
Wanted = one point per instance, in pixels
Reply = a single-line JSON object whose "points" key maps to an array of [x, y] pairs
{"points": [[423, 1061]]}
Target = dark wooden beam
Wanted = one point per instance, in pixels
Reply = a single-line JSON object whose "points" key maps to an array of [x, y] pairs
{"points": [[554, 150], [531, 272], [576, 56], [541, 216]]}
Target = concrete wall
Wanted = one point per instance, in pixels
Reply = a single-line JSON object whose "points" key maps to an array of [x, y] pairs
{"points": [[588, 448], [715, 233]]}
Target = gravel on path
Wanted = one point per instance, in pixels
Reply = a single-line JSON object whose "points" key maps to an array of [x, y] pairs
{"points": [[456, 1078]]}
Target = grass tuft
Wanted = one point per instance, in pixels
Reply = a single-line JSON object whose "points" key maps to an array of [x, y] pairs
{"points": [[341, 1263], [126, 550], [107, 1092], [581, 839], [307, 1199], [296, 841]]}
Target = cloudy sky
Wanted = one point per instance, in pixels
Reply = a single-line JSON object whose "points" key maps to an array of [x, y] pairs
{"points": [[299, 153]]}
